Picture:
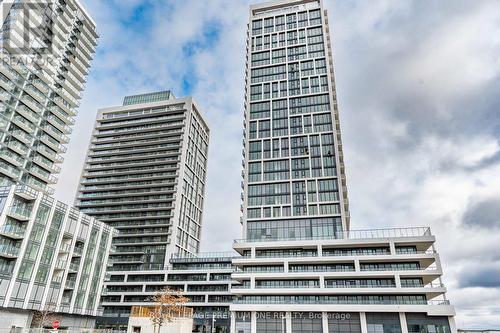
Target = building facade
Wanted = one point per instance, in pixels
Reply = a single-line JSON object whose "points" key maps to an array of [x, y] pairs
{"points": [[302, 267], [52, 259], [145, 176], [205, 279], [46, 52]]}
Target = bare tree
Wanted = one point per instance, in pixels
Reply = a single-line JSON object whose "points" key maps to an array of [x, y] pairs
{"points": [[169, 304], [45, 317]]}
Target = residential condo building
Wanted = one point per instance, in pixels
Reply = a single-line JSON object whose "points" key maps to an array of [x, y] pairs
{"points": [[52, 260], [46, 50], [145, 176], [204, 278], [302, 267]]}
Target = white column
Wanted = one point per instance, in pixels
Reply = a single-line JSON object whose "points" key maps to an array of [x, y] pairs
{"points": [[285, 263], [453, 325], [357, 267], [253, 322], [289, 322], [324, 321], [232, 327], [320, 250], [397, 280], [362, 320], [392, 248], [322, 281], [402, 320]]}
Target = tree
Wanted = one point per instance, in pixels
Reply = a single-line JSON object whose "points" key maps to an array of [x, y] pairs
{"points": [[45, 317], [169, 304]]}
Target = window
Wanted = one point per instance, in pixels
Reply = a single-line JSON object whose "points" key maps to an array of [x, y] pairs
{"points": [[344, 323], [383, 323], [307, 322], [271, 322], [256, 27], [260, 110], [260, 58]]}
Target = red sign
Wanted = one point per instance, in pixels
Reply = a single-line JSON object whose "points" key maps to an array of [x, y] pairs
{"points": [[56, 324]]}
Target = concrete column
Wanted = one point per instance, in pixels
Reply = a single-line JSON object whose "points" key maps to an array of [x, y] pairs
{"points": [[289, 322], [322, 282], [362, 320], [397, 280], [357, 267], [253, 322], [324, 321], [392, 248], [453, 325], [402, 320], [252, 282], [320, 250], [252, 252], [285, 263], [232, 325]]}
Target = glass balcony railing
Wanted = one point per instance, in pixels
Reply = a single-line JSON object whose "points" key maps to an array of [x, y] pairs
{"points": [[18, 147], [352, 234], [9, 250], [332, 300], [12, 157], [9, 170], [11, 230], [20, 211], [73, 267]]}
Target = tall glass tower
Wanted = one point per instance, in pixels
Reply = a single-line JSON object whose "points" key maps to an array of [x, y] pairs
{"points": [[145, 176], [302, 268], [46, 52], [295, 183]]}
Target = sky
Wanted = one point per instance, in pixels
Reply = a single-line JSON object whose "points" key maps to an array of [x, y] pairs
{"points": [[418, 91]]}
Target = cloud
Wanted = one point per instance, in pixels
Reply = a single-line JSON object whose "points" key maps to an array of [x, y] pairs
{"points": [[485, 277], [417, 85], [483, 214]]}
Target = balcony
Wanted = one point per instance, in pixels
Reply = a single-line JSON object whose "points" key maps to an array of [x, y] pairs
{"points": [[22, 136], [70, 284], [53, 143], [8, 251], [49, 154], [18, 147], [28, 113], [19, 213], [49, 129], [42, 174], [32, 103], [65, 248], [352, 234], [12, 231], [60, 264], [24, 124], [77, 251], [64, 117], [9, 171], [73, 267], [46, 164], [11, 157]]}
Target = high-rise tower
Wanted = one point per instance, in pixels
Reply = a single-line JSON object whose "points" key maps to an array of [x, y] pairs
{"points": [[46, 52], [294, 182], [302, 267], [145, 176]]}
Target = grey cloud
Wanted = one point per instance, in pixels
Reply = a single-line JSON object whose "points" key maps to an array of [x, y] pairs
{"points": [[485, 277], [483, 214]]}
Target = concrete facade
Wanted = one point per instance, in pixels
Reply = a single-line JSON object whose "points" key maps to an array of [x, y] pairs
{"points": [[52, 258]]}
